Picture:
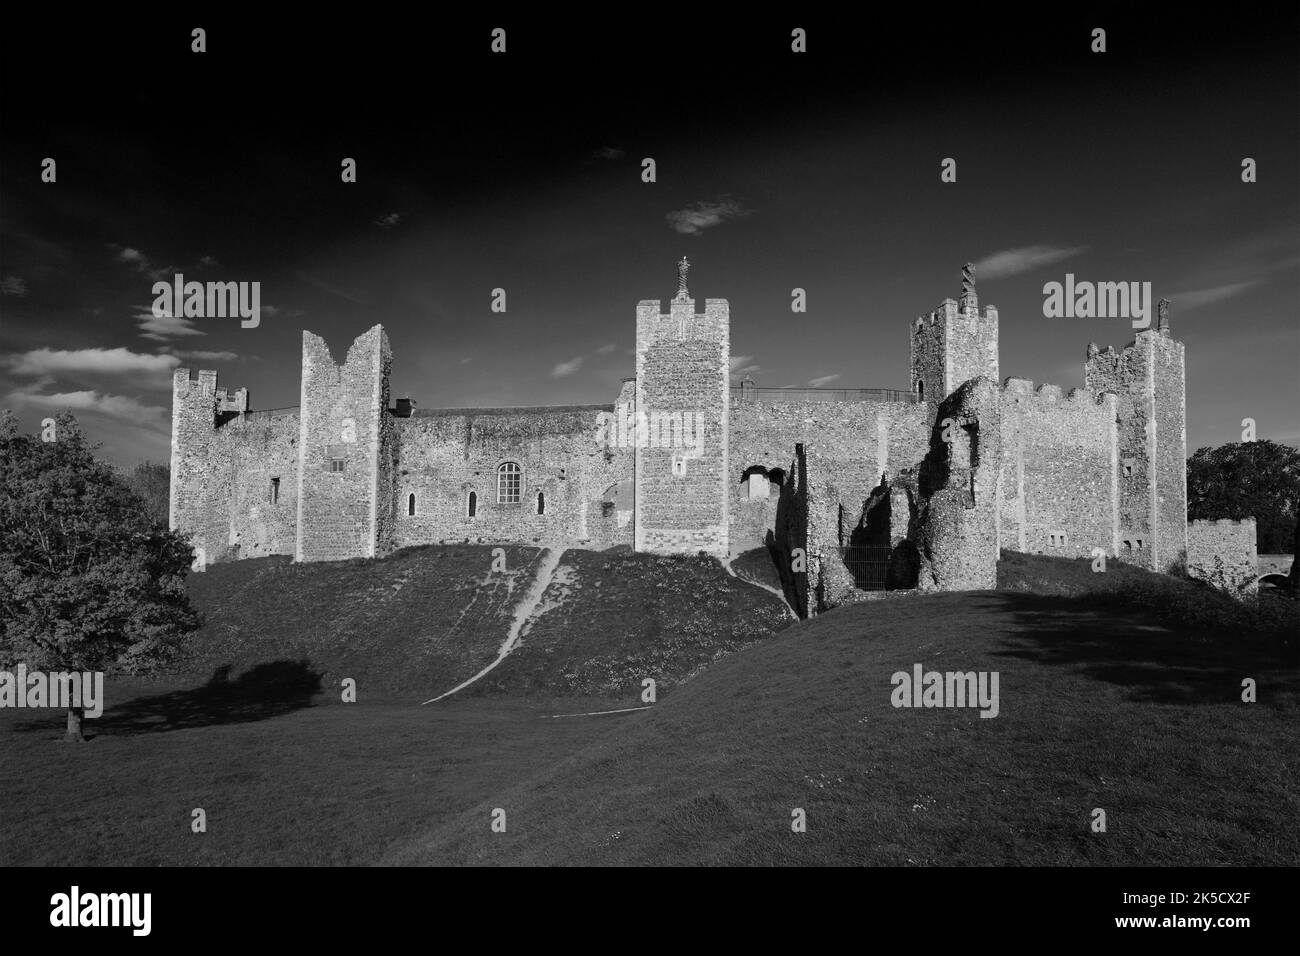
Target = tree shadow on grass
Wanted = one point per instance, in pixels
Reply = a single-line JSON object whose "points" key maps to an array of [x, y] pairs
{"points": [[262, 692], [1157, 662]]}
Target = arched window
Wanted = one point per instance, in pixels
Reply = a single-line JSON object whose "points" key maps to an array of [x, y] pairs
{"points": [[410, 503], [509, 483], [920, 390], [472, 508], [541, 503]]}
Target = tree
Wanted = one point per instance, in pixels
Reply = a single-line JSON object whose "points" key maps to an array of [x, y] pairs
{"points": [[88, 581], [153, 484], [1259, 479]]}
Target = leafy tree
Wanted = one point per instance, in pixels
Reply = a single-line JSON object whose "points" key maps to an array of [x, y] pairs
{"points": [[88, 581], [1259, 479], [152, 482]]}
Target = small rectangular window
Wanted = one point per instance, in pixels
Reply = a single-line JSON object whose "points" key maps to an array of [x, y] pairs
{"points": [[337, 464], [275, 490]]}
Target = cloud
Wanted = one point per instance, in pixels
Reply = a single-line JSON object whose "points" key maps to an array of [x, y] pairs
{"points": [[606, 349], [698, 216], [160, 328], [117, 361], [610, 153], [567, 368], [388, 221], [113, 406], [209, 262], [313, 281], [141, 262], [201, 356], [1012, 262], [12, 285], [1199, 297], [738, 360], [823, 380]]}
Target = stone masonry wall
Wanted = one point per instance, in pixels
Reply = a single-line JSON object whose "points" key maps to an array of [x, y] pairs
{"points": [[1058, 485], [854, 444], [341, 417], [1223, 554], [951, 346], [446, 454], [1147, 376], [682, 360]]}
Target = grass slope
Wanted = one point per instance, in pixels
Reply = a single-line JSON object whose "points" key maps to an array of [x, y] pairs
{"points": [[1102, 705], [610, 620]]}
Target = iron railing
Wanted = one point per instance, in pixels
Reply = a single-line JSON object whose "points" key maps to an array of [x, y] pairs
{"points": [[868, 565]]}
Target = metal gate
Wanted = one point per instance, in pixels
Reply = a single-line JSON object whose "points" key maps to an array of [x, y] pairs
{"points": [[868, 565]]}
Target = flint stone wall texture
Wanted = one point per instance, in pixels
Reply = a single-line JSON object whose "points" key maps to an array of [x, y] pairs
{"points": [[1058, 481], [682, 365], [1148, 377], [1223, 554], [447, 454], [853, 443]]}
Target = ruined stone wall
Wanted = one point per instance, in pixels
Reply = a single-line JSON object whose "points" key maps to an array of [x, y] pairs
{"points": [[854, 445], [682, 360], [445, 455], [1058, 485], [956, 527], [1147, 377], [1223, 554], [341, 416]]}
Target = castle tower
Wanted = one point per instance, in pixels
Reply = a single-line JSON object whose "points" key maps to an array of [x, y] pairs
{"points": [[954, 344], [345, 451], [683, 407], [200, 489], [1149, 378]]}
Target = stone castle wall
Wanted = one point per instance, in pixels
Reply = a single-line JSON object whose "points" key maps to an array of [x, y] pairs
{"points": [[682, 367], [854, 445], [1058, 484], [1223, 554]]}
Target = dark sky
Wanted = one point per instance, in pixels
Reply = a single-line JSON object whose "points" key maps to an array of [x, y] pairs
{"points": [[522, 171]]}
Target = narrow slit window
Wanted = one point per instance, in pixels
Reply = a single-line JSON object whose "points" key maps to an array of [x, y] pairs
{"points": [[410, 504], [275, 490], [472, 508], [541, 503]]}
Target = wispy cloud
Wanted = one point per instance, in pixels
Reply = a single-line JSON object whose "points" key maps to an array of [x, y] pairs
{"points": [[202, 356], [119, 407], [567, 368], [1199, 297], [609, 153], [12, 285], [160, 328], [606, 349], [741, 363], [822, 380], [388, 221], [324, 287], [209, 262], [98, 361], [1012, 262], [696, 217], [140, 262]]}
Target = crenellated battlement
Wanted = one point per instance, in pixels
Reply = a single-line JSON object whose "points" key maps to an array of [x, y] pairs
{"points": [[1023, 391]]}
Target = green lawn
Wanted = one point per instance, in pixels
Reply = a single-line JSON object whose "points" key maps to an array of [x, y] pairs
{"points": [[1101, 705]]}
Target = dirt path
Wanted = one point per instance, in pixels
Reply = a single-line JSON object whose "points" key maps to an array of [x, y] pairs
{"points": [[726, 564], [524, 610]]}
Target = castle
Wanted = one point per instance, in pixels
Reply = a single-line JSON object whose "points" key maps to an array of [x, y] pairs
{"points": [[851, 489]]}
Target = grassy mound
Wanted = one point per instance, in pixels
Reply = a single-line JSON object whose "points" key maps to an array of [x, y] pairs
{"points": [[418, 621], [424, 619], [611, 620]]}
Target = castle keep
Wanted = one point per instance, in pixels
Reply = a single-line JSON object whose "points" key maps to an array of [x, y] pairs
{"points": [[853, 489]]}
